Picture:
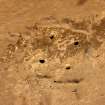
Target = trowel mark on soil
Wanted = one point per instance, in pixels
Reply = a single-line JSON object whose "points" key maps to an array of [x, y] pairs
{"points": [[81, 2], [43, 76], [72, 81], [77, 95]]}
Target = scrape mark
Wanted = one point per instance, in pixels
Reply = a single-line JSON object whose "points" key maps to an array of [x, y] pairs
{"points": [[43, 76], [77, 95], [81, 2], [72, 81], [75, 80]]}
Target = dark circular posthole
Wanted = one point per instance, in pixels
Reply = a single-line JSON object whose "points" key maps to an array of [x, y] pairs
{"points": [[42, 61], [68, 67], [55, 81], [51, 37], [76, 43]]}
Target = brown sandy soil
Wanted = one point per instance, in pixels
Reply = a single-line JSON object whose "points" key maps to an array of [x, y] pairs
{"points": [[52, 52]]}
